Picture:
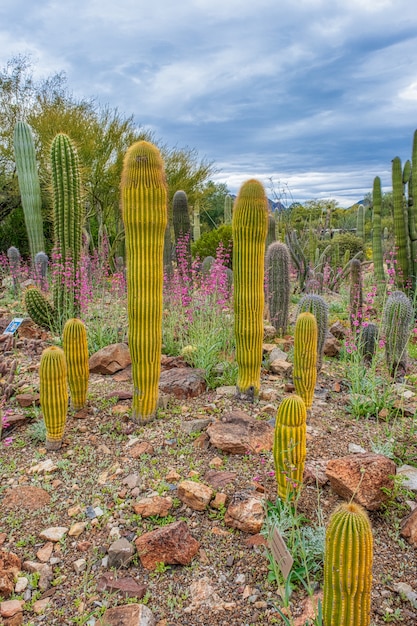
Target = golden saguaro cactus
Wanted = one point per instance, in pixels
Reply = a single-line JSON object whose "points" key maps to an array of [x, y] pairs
{"points": [[250, 227], [305, 357], [53, 394], [348, 568], [74, 342], [144, 209], [290, 446]]}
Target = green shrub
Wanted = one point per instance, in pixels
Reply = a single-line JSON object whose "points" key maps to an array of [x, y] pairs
{"points": [[348, 241], [209, 242]]}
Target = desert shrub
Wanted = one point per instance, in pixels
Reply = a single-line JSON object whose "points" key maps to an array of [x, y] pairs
{"points": [[208, 243]]}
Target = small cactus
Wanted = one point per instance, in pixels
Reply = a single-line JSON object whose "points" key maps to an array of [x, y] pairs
{"points": [[397, 318], [315, 304], [348, 568], [367, 342], [277, 267], [53, 394], [74, 341], [39, 309], [290, 446], [14, 257], [305, 357]]}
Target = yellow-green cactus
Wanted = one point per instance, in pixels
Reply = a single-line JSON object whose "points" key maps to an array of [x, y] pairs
{"points": [[74, 342], [290, 446], [305, 357], [144, 209], [53, 394], [250, 227], [348, 568]]}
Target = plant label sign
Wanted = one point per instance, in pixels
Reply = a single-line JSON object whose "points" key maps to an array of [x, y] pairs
{"points": [[13, 326], [280, 552]]}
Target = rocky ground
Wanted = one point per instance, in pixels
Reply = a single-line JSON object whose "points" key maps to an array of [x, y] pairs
{"points": [[161, 524]]}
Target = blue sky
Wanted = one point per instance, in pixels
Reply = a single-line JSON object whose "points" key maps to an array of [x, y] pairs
{"points": [[317, 95]]}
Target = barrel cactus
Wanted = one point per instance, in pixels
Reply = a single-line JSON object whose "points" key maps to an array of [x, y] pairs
{"points": [[305, 357], [53, 394], [397, 319], [39, 309], [315, 304], [250, 225], [144, 209], [290, 446], [348, 568], [74, 341]]}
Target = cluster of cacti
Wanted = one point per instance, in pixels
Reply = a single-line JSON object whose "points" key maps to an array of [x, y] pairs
{"points": [[53, 394], [74, 341], [305, 356], [397, 319], [360, 221], [315, 304], [39, 309], [377, 255], [355, 295], [250, 225], [30, 190], [367, 342], [278, 287], [348, 568], [289, 448], [144, 209], [14, 258], [228, 204]]}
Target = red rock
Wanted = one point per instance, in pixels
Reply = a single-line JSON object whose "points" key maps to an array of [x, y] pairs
{"points": [[127, 615], [10, 566], [143, 447], [28, 399], [110, 359], [245, 512], [409, 528], [363, 474], [195, 495], [127, 586], [8, 608], [183, 382], [172, 544], [154, 505], [238, 433], [256, 540], [332, 346]]}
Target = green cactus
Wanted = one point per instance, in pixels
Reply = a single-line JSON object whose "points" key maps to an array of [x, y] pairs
{"points": [[181, 222], [305, 357], [53, 394], [360, 222], [397, 319], [30, 190], [348, 568], [290, 446], [368, 341], [299, 259], [14, 258], [196, 222], [250, 225], [355, 295], [74, 341], [144, 208], [278, 287], [400, 225], [412, 212], [376, 233], [313, 303], [39, 309], [228, 205], [68, 225], [271, 236]]}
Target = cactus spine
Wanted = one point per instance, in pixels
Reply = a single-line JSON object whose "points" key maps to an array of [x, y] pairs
{"points": [[74, 342], [30, 190], [397, 318], [228, 204], [68, 223], [376, 232], [305, 357], [290, 446], [250, 225], [277, 263], [53, 394], [316, 305], [144, 208], [348, 568]]}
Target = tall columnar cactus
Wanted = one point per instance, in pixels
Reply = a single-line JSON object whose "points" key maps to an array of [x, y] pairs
{"points": [[290, 446], [305, 357], [196, 222], [74, 341], [39, 309], [182, 224], [412, 211], [355, 295], [144, 208], [250, 225], [271, 236], [228, 205], [348, 568], [68, 224], [13, 255], [315, 304], [30, 190], [400, 225], [53, 394], [360, 222], [376, 232], [277, 266], [397, 319]]}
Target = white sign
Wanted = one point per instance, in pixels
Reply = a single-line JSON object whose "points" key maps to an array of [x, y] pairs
{"points": [[13, 326]]}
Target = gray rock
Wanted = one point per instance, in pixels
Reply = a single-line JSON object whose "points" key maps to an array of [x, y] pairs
{"points": [[120, 553]]}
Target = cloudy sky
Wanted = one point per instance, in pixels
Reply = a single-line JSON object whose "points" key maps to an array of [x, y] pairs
{"points": [[316, 95]]}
